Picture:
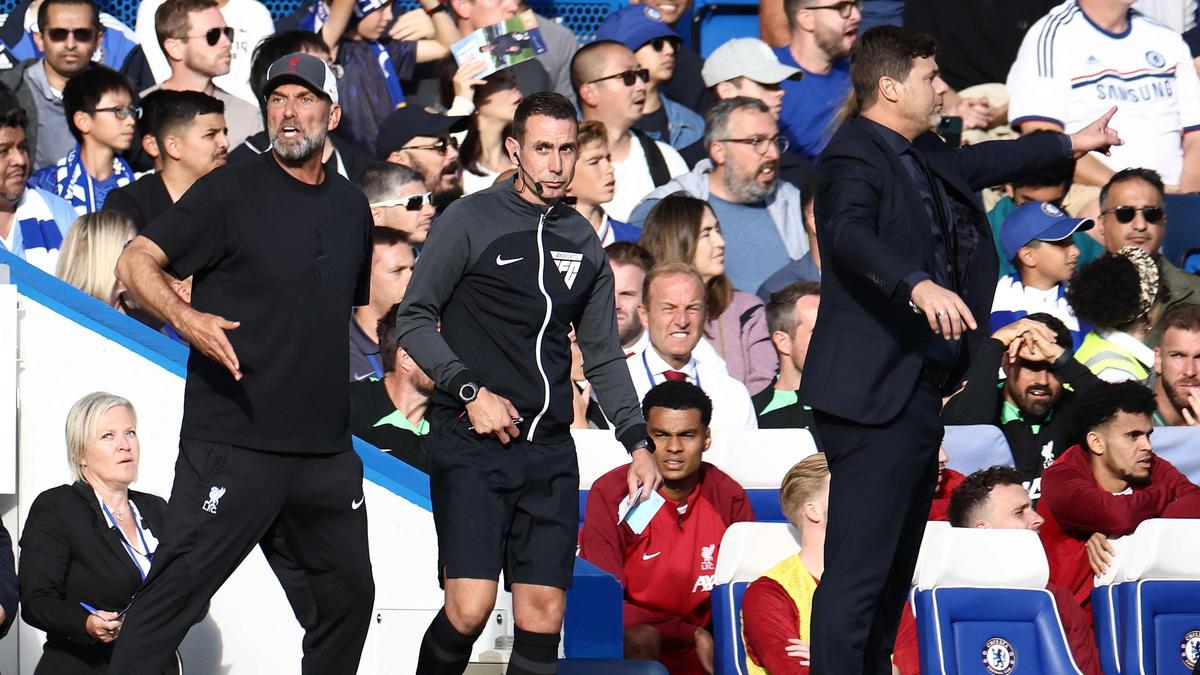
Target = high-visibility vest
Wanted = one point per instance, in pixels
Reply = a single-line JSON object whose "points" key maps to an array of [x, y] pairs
{"points": [[800, 586], [1099, 354]]}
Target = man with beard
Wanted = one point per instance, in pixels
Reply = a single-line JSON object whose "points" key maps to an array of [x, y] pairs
{"points": [[281, 253], [389, 412], [629, 263], [189, 130], [33, 222], [1108, 484], [1029, 403], [611, 88], [822, 32], [420, 139], [760, 215], [1177, 365], [70, 34]]}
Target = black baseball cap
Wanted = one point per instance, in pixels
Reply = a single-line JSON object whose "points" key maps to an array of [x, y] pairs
{"points": [[406, 123], [303, 69]]}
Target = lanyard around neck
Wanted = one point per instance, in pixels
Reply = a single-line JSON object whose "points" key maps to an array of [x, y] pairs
{"points": [[137, 523], [650, 375]]}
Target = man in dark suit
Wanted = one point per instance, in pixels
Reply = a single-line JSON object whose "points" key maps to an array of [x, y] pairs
{"points": [[907, 264]]}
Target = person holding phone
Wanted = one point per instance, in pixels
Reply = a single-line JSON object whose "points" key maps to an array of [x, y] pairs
{"points": [[86, 547]]}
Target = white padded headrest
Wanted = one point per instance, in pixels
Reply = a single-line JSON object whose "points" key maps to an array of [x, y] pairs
{"points": [[1160, 548], [759, 458], [962, 557], [598, 453], [750, 549], [932, 527]]}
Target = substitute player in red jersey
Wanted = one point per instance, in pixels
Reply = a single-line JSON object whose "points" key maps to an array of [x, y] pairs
{"points": [[1109, 484], [667, 570]]}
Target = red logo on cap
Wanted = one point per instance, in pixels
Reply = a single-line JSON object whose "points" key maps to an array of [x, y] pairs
{"points": [[292, 63]]}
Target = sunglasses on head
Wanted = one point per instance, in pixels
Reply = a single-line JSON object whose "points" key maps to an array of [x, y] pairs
{"points": [[1126, 214], [409, 202], [61, 34], [213, 35], [628, 77]]}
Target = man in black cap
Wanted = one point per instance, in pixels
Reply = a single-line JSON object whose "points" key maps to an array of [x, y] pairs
{"points": [[419, 138], [279, 247]]}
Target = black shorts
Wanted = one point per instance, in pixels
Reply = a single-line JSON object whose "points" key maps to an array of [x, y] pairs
{"points": [[513, 508]]}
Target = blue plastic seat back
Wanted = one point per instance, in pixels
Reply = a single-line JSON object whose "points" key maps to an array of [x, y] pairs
{"points": [[1161, 626], [1183, 227], [975, 447], [1106, 618], [1002, 630], [715, 22], [729, 650]]}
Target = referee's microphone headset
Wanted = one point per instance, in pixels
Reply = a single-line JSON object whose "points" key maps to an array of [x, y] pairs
{"points": [[537, 185]]}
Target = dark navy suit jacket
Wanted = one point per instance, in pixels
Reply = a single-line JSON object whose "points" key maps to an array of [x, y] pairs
{"points": [[869, 345]]}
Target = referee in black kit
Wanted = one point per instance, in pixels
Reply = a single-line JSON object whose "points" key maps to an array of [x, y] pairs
{"points": [[280, 251], [509, 270]]}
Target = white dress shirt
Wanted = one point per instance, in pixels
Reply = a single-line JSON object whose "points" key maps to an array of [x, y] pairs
{"points": [[732, 408]]}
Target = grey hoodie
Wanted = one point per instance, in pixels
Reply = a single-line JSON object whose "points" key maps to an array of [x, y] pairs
{"points": [[783, 205]]}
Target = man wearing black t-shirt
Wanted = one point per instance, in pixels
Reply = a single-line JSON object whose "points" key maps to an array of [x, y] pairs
{"points": [[508, 271], [189, 131], [280, 251]]}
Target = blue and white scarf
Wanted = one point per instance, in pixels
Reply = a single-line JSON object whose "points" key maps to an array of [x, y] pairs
{"points": [[70, 180], [38, 236], [1014, 301]]}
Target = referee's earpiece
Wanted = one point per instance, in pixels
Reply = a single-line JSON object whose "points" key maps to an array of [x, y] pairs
{"points": [[537, 185]]}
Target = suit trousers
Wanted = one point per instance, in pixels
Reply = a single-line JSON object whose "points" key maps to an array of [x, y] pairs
{"points": [[226, 500], [882, 480]]}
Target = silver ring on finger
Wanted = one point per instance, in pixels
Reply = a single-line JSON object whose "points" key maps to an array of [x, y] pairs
{"points": [[942, 312]]}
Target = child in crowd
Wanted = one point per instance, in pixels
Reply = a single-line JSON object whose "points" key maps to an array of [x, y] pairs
{"points": [[102, 117], [1037, 238]]}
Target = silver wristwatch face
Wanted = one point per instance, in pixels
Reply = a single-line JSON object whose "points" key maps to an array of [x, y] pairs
{"points": [[468, 392]]}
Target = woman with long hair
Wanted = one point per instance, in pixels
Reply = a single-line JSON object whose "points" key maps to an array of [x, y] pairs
{"points": [[89, 255], [681, 228], [483, 155]]}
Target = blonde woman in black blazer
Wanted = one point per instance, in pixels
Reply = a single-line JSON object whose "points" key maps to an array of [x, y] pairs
{"points": [[86, 547]]}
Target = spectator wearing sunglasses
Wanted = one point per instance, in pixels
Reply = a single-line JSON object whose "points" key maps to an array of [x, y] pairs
{"points": [[420, 139], [611, 88], [189, 133], [642, 29], [118, 46], [251, 21], [761, 215], [70, 32], [102, 118], [1132, 214], [399, 199], [197, 43]]}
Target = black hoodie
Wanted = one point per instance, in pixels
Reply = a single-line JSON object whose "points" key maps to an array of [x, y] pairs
{"points": [[508, 279]]}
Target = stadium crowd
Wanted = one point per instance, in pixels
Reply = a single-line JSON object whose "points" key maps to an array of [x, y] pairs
{"points": [[697, 176]]}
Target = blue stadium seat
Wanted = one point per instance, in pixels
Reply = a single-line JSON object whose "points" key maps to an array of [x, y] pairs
{"points": [[1183, 227], [983, 593], [977, 447], [1147, 607], [747, 551], [603, 667], [715, 22]]}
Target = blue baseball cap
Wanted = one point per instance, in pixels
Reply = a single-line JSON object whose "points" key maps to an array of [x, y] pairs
{"points": [[634, 26], [1038, 221]]}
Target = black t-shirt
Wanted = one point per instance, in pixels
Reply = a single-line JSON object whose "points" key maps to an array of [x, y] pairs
{"points": [[978, 39], [141, 201], [656, 125], [289, 261]]}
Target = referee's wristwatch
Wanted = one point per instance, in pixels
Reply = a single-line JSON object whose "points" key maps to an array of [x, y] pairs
{"points": [[468, 392], [646, 444]]}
